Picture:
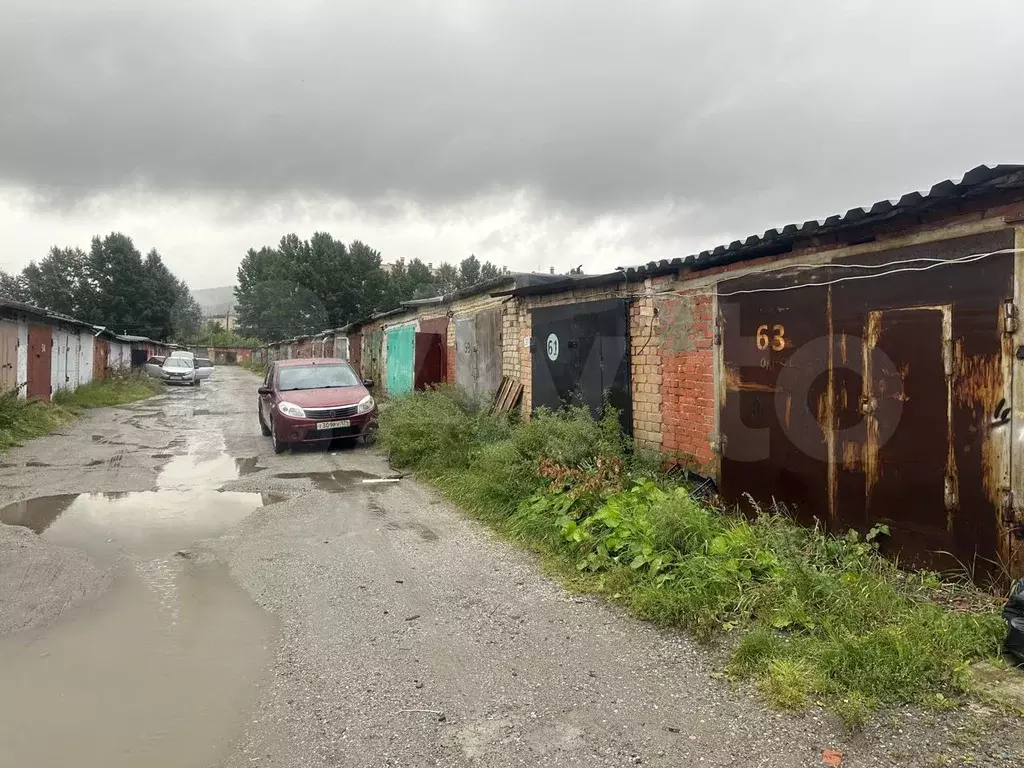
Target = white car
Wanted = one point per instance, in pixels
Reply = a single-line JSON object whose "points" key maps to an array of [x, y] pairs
{"points": [[179, 370], [204, 369], [154, 366]]}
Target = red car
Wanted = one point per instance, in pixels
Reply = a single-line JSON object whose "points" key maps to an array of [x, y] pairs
{"points": [[315, 401]]}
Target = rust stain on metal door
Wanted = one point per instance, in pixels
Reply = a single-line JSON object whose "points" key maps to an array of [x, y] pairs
{"points": [[909, 466], [890, 400]]}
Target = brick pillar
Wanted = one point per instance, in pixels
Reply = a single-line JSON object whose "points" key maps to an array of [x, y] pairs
{"points": [[646, 372], [688, 361]]}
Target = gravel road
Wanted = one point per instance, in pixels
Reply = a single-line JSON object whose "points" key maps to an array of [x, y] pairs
{"points": [[393, 631]]}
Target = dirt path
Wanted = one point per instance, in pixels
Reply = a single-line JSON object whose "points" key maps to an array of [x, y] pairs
{"points": [[312, 619]]}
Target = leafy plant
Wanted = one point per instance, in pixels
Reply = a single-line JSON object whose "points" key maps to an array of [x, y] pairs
{"points": [[817, 616]]}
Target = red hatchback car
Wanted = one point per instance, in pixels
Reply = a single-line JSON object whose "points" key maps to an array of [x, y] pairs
{"points": [[313, 401]]}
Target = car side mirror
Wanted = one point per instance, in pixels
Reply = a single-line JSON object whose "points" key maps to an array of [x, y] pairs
{"points": [[368, 383], [264, 390]]}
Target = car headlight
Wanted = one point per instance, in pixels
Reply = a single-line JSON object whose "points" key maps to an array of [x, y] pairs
{"points": [[366, 404], [290, 409]]}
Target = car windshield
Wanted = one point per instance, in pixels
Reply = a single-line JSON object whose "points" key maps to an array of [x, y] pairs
{"points": [[177, 362], [316, 377]]}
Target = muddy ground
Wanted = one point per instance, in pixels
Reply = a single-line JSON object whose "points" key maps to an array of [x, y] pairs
{"points": [[177, 595]]}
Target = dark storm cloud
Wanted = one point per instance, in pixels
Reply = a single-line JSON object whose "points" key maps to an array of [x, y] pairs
{"points": [[750, 111]]}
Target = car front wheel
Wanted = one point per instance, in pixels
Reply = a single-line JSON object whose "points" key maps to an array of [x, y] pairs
{"points": [[279, 447], [263, 425]]}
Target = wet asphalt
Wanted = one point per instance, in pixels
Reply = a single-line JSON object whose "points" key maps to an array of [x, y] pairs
{"points": [[245, 608]]}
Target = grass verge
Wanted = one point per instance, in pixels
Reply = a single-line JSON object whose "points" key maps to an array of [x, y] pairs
{"points": [[812, 617], [22, 419]]}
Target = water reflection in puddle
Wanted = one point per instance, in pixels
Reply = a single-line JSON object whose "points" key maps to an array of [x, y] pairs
{"points": [[156, 672], [148, 523], [333, 482], [159, 669]]}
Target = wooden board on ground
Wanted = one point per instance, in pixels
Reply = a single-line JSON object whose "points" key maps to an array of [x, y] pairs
{"points": [[508, 394]]}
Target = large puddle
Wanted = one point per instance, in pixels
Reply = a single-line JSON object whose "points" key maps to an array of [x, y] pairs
{"points": [[146, 523], [160, 669]]}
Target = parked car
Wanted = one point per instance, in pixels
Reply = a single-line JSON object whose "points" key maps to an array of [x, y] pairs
{"points": [[315, 401], [154, 366], [204, 369], [179, 370]]}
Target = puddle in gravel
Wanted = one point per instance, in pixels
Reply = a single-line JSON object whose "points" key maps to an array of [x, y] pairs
{"points": [[333, 482], [147, 523], [247, 466], [158, 671], [207, 470]]}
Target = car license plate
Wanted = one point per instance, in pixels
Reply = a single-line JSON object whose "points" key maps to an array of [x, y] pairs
{"points": [[332, 424]]}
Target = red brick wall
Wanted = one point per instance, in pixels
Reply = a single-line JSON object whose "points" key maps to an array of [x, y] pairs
{"points": [[688, 386], [450, 368]]}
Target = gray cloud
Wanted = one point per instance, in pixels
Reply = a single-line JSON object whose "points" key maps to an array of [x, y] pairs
{"points": [[745, 114]]}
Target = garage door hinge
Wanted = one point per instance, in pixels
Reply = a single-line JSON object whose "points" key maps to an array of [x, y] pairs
{"points": [[718, 333], [1009, 316]]}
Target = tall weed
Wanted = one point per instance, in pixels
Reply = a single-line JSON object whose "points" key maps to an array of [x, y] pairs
{"points": [[817, 616]]}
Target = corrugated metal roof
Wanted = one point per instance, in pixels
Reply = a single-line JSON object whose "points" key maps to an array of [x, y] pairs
{"points": [[567, 284], [424, 302], [978, 182], [46, 314]]}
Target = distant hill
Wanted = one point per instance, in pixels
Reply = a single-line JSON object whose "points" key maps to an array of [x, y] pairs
{"points": [[215, 301]]}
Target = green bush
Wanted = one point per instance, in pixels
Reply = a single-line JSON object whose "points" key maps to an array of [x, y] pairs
{"points": [[816, 616]]}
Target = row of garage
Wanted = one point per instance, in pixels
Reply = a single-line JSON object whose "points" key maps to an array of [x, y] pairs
{"points": [[861, 370], [455, 339], [42, 353]]}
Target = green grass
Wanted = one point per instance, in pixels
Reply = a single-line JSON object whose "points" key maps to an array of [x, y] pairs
{"points": [[113, 391], [22, 419], [808, 617]]}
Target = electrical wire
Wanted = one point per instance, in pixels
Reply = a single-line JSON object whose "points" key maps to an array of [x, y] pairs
{"points": [[935, 263], [885, 265]]}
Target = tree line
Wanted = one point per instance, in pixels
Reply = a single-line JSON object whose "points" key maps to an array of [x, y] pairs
{"points": [[111, 285], [298, 287], [305, 286]]}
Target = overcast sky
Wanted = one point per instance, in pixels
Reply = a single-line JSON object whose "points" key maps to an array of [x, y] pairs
{"points": [[533, 133]]}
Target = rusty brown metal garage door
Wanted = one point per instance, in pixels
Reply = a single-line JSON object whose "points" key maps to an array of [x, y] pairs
{"points": [[355, 352], [39, 341], [875, 401], [100, 355]]}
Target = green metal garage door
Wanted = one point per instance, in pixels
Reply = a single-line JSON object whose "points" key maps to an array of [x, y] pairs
{"points": [[401, 359]]}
